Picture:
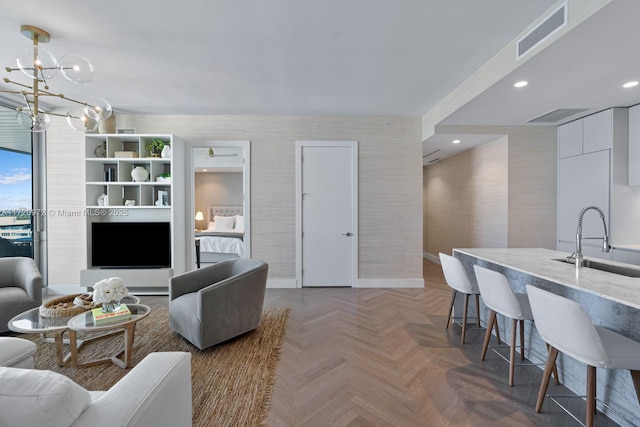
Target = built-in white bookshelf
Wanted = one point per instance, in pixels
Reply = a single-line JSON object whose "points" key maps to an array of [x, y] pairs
{"points": [[113, 195]]}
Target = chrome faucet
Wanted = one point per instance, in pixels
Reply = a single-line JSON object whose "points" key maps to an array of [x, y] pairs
{"points": [[577, 255]]}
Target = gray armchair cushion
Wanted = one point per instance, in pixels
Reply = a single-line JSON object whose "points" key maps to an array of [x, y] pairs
{"points": [[20, 288], [219, 302]]}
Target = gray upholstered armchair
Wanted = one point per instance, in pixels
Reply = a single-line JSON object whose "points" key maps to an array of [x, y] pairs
{"points": [[216, 303], [20, 288]]}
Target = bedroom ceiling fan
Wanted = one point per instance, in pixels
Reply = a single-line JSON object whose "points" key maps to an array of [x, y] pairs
{"points": [[212, 154]]}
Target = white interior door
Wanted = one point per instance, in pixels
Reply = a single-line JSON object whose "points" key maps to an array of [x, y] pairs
{"points": [[327, 213]]}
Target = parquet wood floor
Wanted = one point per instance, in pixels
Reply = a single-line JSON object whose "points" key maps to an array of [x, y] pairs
{"points": [[382, 357]]}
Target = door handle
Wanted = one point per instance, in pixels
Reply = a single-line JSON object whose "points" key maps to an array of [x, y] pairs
{"points": [[348, 234]]}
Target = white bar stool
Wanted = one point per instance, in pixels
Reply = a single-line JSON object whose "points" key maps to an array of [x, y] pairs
{"points": [[500, 298], [567, 328], [457, 279]]}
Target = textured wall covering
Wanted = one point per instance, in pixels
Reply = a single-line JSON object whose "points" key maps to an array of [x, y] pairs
{"points": [[533, 183], [390, 202], [499, 194], [66, 229], [217, 189], [465, 199]]}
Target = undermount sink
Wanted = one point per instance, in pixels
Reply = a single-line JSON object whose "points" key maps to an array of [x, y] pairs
{"points": [[609, 268]]}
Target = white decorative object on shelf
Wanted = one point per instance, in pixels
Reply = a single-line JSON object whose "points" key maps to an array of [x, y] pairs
{"points": [[164, 179], [166, 152], [129, 202], [163, 198], [102, 200], [139, 174]]}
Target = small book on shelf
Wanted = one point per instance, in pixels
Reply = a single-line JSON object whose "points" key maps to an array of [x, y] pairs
{"points": [[121, 314]]}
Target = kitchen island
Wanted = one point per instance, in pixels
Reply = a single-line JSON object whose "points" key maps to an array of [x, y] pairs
{"points": [[612, 301]]}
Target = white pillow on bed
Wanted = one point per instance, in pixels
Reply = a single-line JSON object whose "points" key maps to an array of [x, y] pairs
{"points": [[239, 223], [211, 225], [223, 222]]}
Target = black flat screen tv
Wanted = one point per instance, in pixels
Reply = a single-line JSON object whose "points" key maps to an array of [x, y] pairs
{"points": [[131, 244]]}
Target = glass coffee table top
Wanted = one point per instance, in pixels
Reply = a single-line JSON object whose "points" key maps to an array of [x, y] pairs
{"points": [[85, 322], [32, 322]]}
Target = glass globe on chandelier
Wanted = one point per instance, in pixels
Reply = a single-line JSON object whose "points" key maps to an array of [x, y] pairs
{"points": [[40, 65]]}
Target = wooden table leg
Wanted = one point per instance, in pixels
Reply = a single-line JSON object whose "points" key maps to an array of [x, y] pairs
{"points": [[129, 335], [59, 347], [73, 347]]}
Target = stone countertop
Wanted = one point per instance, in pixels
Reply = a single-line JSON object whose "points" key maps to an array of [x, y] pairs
{"points": [[540, 262]]}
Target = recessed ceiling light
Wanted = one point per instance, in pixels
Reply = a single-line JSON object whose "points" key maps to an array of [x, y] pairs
{"points": [[630, 84], [522, 83], [456, 141]]}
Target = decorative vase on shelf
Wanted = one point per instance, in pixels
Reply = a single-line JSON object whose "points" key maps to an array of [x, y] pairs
{"points": [[139, 174], [110, 307], [166, 152]]}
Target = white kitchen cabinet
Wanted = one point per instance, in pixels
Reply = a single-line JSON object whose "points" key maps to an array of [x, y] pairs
{"points": [[626, 256], [570, 139], [595, 173], [634, 145], [583, 181], [597, 131]]}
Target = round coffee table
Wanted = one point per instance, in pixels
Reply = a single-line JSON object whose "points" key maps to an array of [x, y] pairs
{"points": [[30, 322], [84, 322]]}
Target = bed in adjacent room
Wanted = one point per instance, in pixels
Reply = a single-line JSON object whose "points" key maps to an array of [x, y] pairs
{"points": [[224, 237]]}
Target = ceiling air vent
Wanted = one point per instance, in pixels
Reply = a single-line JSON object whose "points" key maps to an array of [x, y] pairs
{"points": [[557, 115], [433, 152], [552, 23]]}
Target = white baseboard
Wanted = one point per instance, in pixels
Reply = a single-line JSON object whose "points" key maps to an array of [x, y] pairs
{"points": [[432, 258], [391, 283], [362, 283], [281, 283]]}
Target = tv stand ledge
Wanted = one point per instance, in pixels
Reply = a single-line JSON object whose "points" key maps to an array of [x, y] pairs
{"points": [[132, 277]]}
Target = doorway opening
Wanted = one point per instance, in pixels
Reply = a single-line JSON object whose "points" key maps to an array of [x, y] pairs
{"points": [[219, 205]]}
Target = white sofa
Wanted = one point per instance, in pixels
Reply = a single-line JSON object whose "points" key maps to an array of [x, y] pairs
{"points": [[156, 392], [16, 352]]}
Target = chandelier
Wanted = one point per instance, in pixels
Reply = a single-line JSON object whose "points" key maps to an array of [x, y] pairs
{"points": [[41, 66]]}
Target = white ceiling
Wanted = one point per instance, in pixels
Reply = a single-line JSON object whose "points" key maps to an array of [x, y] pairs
{"points": [[331, 57], [583, 69], [276, 57]]}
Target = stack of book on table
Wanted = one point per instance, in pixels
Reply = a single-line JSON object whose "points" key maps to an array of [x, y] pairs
{"points": [[120, 315]]}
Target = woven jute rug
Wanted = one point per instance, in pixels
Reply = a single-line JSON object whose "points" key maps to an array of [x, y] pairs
{"points": [[231, 382]]}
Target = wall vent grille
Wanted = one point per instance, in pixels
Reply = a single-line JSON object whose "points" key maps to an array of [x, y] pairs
{"points": [[433, 152], [552, 23]]}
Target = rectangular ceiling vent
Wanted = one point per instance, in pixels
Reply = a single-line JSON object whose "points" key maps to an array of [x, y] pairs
{"points": [[433, 152], [558, 115], [552, 23]]}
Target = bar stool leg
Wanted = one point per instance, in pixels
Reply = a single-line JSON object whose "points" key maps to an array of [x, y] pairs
{"points": [[478, 310], [635, 376], [548, 368], [555, 370], [512, 350], [591, 395], [495, 324], [487, 335], [453, 299], [464, 317]]}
